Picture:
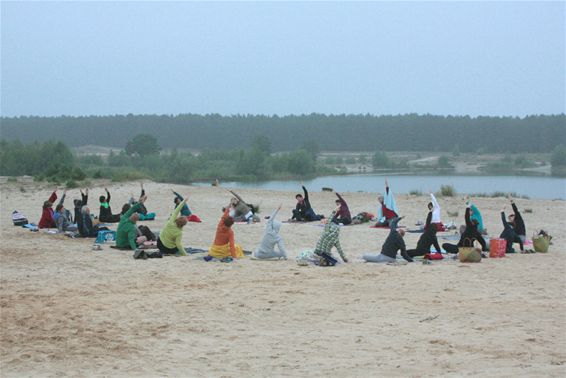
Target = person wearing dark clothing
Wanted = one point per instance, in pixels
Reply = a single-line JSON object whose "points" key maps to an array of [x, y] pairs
{"points": [[343, 214], [85, 225], [303, 212], [392, 244], [79, 205], [106, 215], [509, 235], [517, 221], [185, 211], [467, 238], [427, 239]]}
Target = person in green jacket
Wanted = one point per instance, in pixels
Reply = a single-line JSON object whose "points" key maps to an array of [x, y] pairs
{"points": [[126, 233], [170, 240]]}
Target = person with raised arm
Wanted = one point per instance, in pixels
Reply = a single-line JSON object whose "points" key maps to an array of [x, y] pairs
{"points": [[386, 208], [434, 211], [224, 245], [170, 240], [185, 210], [475, 214], [242, 212], [303, 211], [47, 220], [427, 239], [509, 233], [516, 219], [127, 231], [330, 238], [471, 233], [79, 205], [392, 244], [271, 238], [105, 215], [343, 214]]}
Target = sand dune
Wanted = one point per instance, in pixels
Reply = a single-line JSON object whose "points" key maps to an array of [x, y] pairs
{"points": [[68, 310]]}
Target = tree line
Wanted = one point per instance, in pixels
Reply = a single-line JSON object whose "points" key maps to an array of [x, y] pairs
{"points": [[410, 132]]}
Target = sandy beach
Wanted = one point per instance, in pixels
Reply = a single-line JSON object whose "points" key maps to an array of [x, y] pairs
{"points": [[67, 310]]}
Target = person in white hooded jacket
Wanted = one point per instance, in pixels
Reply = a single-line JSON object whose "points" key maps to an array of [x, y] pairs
{"points": [[271, 237]]}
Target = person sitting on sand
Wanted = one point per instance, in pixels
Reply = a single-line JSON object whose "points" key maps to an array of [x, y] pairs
{"points": [[224, 245], [170, 240], [242, 212], [427, 239], [476, 215], [392, 244], [47, 220], [144, 214], [469, 235], [303, 212], [85, 224], [509, 234], [105, 214], [271, 238], [330, 238], [79, 205], [185, 210], [62, 219], [126, 233], [516, 219], [343, 215], [434, 210], [387, 207]]}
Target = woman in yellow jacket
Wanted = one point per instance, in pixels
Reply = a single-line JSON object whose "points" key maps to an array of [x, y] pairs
{"points": [[170, 240]]}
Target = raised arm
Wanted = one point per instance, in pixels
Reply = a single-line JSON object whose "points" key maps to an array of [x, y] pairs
{"points": [[62, 200], [53, 196], [272, 217], [180, 197], [467, 216], [236, 195], [224, 216], [107, 195], [340, 198], [434, 201], [306, 193], [84, 197], [503, 220], [393, 223]]}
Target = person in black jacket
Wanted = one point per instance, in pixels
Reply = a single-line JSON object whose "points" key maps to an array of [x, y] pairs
{"points": [[427, 239], [79, 204], [518, 223], [106, 215], [85, 225], [509, 235], [303, 212], [392, 244], [469, 235]]}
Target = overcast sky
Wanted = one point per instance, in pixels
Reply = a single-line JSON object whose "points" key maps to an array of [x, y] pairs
{"points": [[482, 58]]}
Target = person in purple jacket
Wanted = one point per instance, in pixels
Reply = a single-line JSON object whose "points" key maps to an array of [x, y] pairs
{"points": [[343, 213]]}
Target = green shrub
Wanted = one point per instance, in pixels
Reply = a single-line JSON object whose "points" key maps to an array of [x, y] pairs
{"points": [[71, 184], [447, 191], [416, 192]]}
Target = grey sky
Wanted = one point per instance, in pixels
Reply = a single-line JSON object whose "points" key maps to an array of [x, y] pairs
{"points": [[476, 58]]}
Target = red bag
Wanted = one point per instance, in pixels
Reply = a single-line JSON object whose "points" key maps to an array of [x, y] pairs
{"points": [[433, 256]]}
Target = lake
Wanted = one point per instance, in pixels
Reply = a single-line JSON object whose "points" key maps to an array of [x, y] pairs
{"points": [[537, 187]]}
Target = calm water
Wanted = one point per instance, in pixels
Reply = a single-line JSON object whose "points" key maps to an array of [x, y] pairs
{"points": [[540, 187]]}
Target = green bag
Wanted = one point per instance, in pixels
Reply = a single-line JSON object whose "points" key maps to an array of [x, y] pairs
{"points": [[541, 243]]}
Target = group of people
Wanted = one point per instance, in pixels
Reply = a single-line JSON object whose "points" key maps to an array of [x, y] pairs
{"points": [[169, 241]]}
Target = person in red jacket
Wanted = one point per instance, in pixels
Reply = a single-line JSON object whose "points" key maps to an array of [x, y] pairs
{"points": [[47, 220]]}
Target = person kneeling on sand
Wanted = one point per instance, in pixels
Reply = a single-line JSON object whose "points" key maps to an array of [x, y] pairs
{"points": [[170, 239], [271, 238], [330, 238], [386, 208], [392, 244], [224, 246], [427, 239], [105, 215], [126, 233], [471, 233]]}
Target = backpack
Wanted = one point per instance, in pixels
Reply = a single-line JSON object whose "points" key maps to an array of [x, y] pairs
{"points": [[18, 218], [145, 231]]}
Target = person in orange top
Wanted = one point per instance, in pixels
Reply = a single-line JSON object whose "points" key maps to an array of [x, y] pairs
{"points": [[224, 245]]}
